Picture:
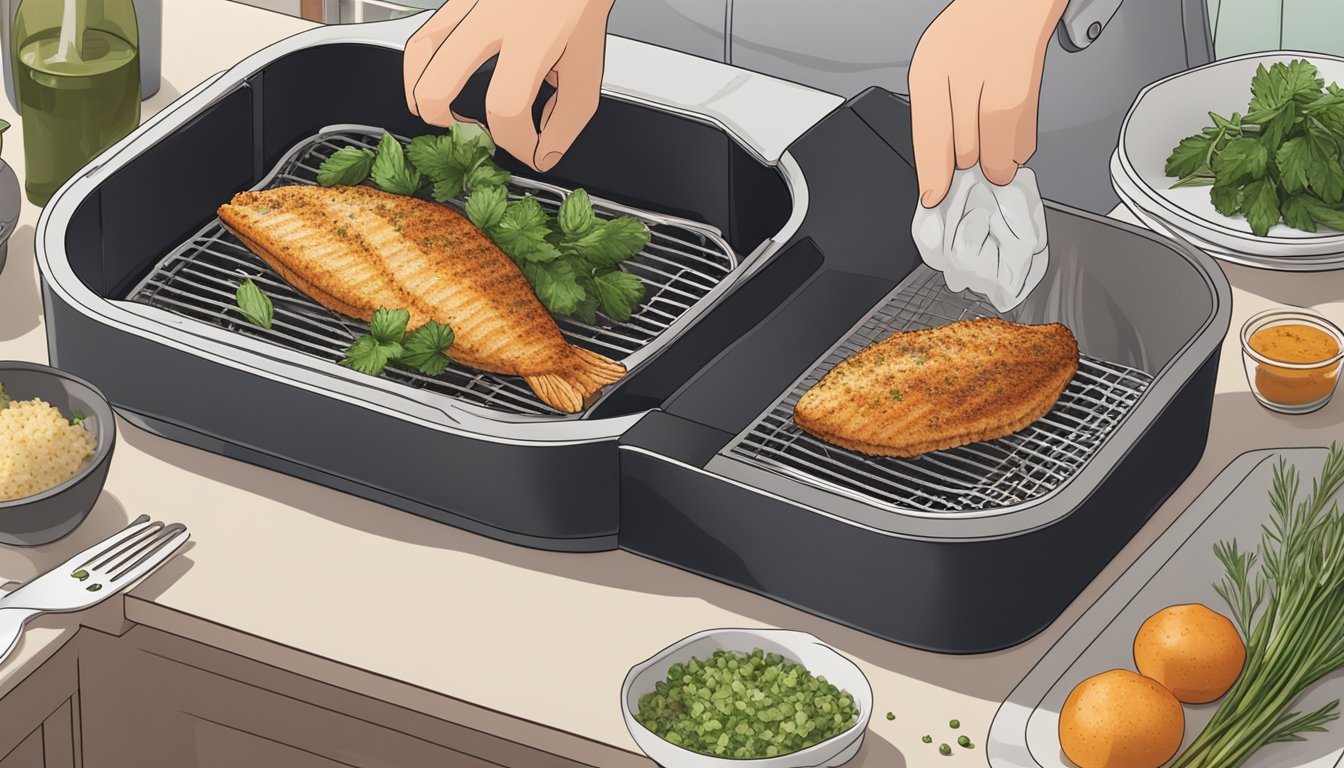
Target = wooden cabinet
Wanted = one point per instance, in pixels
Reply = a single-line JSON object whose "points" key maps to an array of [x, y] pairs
{"points": [[152, 699], [39, 719], [50, 745]]}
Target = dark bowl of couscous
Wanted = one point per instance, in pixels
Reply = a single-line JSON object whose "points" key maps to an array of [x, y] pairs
{"points": [[57, 434]]}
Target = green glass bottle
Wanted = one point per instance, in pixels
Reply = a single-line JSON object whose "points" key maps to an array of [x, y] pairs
{"points": [[77, 79]]}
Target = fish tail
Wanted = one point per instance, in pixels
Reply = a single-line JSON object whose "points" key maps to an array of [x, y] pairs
{"points": [[570, 390]]}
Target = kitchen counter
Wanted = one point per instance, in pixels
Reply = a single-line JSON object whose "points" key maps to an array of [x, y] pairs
{"points": [[525, 644]]}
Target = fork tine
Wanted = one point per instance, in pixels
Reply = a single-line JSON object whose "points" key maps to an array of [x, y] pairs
{"points": [[155, 557], [86, 558], [130, 544], [161, 540]]}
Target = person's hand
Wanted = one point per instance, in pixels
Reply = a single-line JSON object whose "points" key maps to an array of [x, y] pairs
{"points": [[975, 84], [561, 42]]}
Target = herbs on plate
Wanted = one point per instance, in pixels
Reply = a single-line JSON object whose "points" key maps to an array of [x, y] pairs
{"points": [[1281, 161], [1287, 598], [572, 259], [253, 305], [423, 350]]}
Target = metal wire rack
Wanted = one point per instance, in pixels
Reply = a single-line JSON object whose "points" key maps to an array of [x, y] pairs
{"points": [[988, 475], [680, 266]]}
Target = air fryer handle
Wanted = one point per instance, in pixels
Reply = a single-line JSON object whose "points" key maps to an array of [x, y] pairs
{"points": [[862, 191]]}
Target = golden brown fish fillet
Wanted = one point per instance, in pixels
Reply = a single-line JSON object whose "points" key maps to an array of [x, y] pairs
{"points": [[940, 388], [356, 249]]}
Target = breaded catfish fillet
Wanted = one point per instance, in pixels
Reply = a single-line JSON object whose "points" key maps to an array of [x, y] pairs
{"points": [[935, 389], [355, 249]]}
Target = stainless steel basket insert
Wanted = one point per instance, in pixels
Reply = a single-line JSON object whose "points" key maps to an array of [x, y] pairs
{"points": [[982, 476], [682, 264]]}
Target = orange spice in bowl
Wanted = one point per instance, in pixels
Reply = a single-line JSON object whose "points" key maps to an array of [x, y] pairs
{"points": [[1292, 359]]}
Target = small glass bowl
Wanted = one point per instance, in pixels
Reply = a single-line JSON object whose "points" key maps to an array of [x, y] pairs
{"points": [[1293, 388]]}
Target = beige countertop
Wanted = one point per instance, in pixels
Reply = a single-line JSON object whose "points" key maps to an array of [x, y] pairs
{"points": [[528, 644]]}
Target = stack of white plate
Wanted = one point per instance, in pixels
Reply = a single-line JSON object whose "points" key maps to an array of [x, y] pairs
{"points": [[1171, 109]]}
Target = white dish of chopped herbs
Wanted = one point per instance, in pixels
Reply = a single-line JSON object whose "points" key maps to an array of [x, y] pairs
{"points": [[1245, 152], [776, 698]]}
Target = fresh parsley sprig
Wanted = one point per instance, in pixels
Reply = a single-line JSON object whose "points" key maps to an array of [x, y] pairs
{"points": [[572, 260], [1279, 162], [387, 343]]}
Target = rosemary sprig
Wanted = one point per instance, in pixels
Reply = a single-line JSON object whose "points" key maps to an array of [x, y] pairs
{"points": [[1291, 611]]}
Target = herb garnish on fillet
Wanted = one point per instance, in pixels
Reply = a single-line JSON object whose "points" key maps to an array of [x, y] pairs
{"points": [[1287, 599], [387, 343], [253, 305], [572, 260]]}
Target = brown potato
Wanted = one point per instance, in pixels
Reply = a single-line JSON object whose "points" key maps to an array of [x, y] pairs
{"points": [[1193, 651], [1120, 720]]}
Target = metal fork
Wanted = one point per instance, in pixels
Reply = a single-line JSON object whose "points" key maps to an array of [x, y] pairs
{"points": [[91, 576]]}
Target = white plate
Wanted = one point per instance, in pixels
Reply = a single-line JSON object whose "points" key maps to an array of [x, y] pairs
{"points": [[1179, 567], [798, 647], [1160, 221], [1178, 106]]}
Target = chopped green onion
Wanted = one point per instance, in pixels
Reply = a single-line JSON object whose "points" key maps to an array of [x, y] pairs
{"points": [[738, 705]]}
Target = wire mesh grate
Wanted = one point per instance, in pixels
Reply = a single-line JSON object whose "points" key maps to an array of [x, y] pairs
{"points": [[680, 266], [982, 476]]}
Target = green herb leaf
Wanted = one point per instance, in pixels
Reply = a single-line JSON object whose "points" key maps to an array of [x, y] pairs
{"points": [[619, 294], [347, 167], [426, 349], [522, 232], [368, 355], [1190, 156], [390, 170], [77, 420], [1227, 199], [612, 242], [4, 398], [486, 206], [556, 284], [576, 215], [253, 305], [471, 133], [388, 326], [1261, 205], [587, 309], [1294, 158], [486, 174], [1325, 172], [432, 155], [1327, 215], [1297, 215], [1241, 160]]}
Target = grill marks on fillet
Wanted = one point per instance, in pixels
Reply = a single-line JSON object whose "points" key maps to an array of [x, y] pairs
{"points": [[355, 249], [935, 389]]}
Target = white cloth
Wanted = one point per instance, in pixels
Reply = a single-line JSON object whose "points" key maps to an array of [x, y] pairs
{"points": [[986, 238]]}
